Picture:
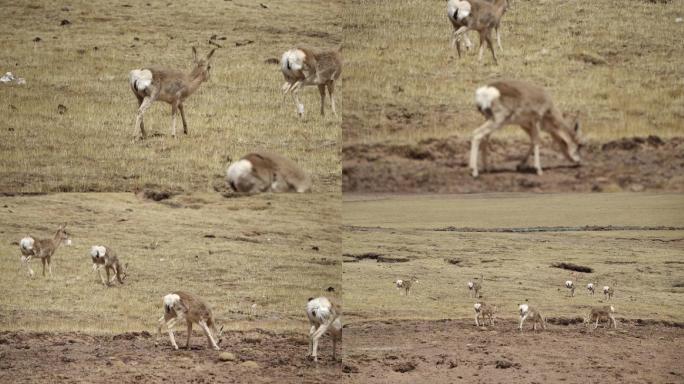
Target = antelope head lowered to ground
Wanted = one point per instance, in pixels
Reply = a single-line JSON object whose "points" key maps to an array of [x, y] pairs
{"points": [[529, 106], [168, 85]]}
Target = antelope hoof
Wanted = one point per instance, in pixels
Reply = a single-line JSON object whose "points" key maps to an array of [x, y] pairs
{"points": [[539, 173], [475, 173]]}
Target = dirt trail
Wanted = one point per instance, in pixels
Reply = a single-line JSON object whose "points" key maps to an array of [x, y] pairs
{"points": [[390, 351], [440, 166]]}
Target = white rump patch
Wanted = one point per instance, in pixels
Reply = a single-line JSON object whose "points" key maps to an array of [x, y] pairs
{"points": [[399, 283], [484, 96], [319, 310], [568, 284], [27, 243], [605, 289], [590, 286], [458, 10], [470, 285], [140, 79], [238, 170], [523, 309], [292, 61], [477, 307], [98, 251], [171, 300]]}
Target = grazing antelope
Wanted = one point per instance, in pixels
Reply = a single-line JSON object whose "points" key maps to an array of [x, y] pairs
{"points": [[323, 315], [104, 257], [406, 284], [590, 288], [179, 305], [486, 311], [529, 106], [483, 17], [302, 67], [529, 311], [606, 312], [43, 249], [608, 292], [168, 85], [267, 172], [457, 11], [569, 284], [474, 287]]}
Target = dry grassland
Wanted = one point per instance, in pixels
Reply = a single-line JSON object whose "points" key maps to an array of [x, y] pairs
{"points": [[84, 66], [620, 63], [274, 251], [645, 263]]}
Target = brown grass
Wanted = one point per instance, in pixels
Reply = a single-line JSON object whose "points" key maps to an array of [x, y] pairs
{"points": [[408, 84], [233, 252], [85, 66], [645, 264]]}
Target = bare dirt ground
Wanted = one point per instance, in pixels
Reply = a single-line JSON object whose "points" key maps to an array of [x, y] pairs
{"points": [[441, 166], [391, 351]]}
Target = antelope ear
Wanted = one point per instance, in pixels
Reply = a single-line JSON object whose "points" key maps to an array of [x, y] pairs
{"points": [[211, 53], [194, 53]]}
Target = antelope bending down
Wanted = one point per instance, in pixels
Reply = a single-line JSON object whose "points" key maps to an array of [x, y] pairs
{"points": [[104, 257], [168, 85], [486, 311], [406, 284], [529, 311], [481, 16], [606, 312], [179, 305], [43, 249], [302, 67], [529, 106], [267, 172], [323, 315], [457, 12]]}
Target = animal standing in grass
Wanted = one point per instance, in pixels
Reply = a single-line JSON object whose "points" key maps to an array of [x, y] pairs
{"points": [[570, 285], [183, 305], [591, 289], [303, 67], [606, 312], [479, 15], [474, 287], [406, 284], [170, 86], [105, 257], [608, 292], [323, 315], [531, 312], [529, 106], [267, 172], [43, 249]]}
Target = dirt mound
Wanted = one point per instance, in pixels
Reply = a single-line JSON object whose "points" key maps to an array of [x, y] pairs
{"points": [[440, 166]]}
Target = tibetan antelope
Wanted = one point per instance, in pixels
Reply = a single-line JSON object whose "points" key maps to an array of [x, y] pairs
{"points": [[406, 284], [486, 311], [474, 287], [530, 106], [608, 292], [481, 16], [529, 311], [168, 85], [323, 315], [591, 289], [267, 172], [179, 305], [303, 66], [43, 249], [606, 312], [105, 257], [569, 284]]}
